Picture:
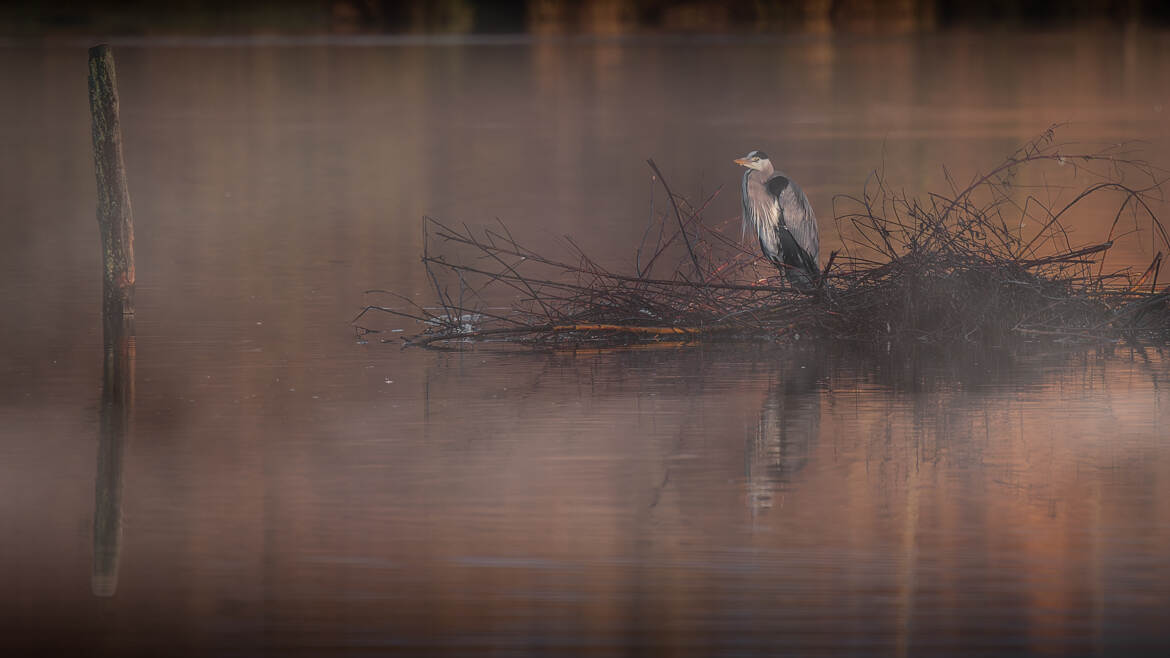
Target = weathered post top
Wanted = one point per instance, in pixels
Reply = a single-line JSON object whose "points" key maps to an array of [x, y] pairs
{"points": [[114, 214]]}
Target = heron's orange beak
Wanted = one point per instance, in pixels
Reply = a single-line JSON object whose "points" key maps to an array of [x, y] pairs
{"points": [[741, 161]]}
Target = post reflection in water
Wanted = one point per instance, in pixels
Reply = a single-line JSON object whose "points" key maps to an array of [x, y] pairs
{"points": [[117, 412]]}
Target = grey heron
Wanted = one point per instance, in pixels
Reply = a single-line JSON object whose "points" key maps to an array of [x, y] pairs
{"points": [[779, 212]]}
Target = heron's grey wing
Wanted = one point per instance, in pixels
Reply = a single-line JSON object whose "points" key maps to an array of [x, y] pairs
{"points": [[797, 215]]}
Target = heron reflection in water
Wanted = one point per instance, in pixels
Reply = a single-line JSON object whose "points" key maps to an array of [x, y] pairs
{"points": [[789, 425], [776, 208]]}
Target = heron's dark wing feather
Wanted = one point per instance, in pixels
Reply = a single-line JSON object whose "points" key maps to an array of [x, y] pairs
{"points": [[776, 185], [795, 255]]}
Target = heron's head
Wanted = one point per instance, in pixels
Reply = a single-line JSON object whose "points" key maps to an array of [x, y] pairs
{"points": [[757, 160]]}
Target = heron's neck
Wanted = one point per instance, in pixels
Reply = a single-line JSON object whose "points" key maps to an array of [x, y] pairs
{"points": [[758, 177]]}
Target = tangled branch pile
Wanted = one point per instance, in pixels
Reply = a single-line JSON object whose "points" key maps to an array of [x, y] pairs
{"points": [[985, 263]]}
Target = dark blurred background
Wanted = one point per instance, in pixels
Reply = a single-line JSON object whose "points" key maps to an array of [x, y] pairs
{"points": [[35, 18]]}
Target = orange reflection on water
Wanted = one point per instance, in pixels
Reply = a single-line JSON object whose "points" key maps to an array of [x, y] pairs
{"points": [[287, 488]]}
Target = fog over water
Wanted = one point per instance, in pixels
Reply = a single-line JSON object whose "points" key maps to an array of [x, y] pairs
{"points": [[275, 486]]}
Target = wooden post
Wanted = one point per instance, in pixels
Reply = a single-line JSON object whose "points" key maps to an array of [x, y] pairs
{"points": [[114, 216], [117, 228]]}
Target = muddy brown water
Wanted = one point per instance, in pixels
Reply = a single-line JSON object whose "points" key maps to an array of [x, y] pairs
{"points": [[285, 489]]}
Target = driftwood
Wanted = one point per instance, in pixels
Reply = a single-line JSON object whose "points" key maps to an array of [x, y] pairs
{"points": [[985, 263]]}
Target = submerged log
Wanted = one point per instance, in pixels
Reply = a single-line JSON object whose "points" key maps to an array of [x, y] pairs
{"points": [[113, 212]]}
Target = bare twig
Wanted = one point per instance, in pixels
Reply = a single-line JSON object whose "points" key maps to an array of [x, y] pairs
{"points": [[984, 263]]}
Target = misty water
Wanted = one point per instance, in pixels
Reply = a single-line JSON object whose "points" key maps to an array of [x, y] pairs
{"points": [[282, 487]]}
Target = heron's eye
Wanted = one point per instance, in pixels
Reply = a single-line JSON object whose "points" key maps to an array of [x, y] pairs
{"points": [[756, 158]]}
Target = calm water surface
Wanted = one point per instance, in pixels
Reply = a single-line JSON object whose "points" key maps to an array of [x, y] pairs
{"points": [[280, 488]]}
